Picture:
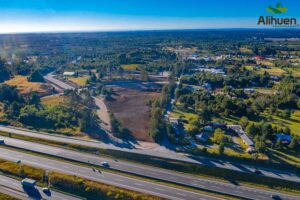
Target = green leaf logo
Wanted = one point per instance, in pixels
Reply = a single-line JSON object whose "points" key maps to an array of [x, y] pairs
{"points": [[277, 10]]}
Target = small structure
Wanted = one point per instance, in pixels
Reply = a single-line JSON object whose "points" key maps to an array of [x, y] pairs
{"points": [[259, 58], [250, 90], [69, 73], [208, 129], [283, 138], [202, 137]]}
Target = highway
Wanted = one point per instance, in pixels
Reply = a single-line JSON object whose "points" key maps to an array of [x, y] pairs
{"points": [[14, 188], [50, 78], [151, 152], [152, 172], [104, 177]]}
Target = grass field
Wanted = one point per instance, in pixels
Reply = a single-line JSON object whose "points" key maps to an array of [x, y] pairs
{"points": [[26, 87], [52, 100], [81, 81], [130, 66], [245, 50], [294, 71], [189, 117], [273, 71], [293, 123], [269, 91]]}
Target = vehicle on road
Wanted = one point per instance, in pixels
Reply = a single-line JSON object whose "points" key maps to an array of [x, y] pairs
{"points": [[257, 172], [276, 197], [105, 164], [2, 141], [28, 182], [46, 190]]}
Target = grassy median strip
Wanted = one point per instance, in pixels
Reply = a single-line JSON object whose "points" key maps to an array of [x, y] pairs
{"points": [[7, 197], [73, 184], [210, 172]]}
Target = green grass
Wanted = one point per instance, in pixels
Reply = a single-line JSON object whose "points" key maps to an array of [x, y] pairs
{"points": [[281, 156], [130, 66], [273, 71], [293, 123], [189, 117]]}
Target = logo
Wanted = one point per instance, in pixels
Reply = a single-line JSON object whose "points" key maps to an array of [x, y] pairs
{"points": [[275, 21], [277, 10]]}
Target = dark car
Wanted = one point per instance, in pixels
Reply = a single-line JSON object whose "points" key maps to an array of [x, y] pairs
{"points": [[276, 197], [257, 172]]}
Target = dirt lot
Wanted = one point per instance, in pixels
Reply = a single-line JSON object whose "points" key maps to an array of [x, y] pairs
{"points": [[130, 107]]}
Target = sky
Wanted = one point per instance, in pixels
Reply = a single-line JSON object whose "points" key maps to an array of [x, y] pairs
{"points": [[116, 15]]}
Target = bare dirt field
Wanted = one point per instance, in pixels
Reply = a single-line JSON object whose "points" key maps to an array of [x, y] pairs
{"points": [[130, 107]]}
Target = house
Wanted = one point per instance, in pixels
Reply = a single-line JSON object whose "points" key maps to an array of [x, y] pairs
{"points": [[240, 132], [250, 90], [202, 137], [208, 129], [69, 73], [207, 86], [259, 58], [283, 138]]}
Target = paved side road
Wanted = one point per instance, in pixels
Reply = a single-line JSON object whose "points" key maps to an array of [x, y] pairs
{"points": [[170, 154], [14, 188], [104, 177], [152, 172]]}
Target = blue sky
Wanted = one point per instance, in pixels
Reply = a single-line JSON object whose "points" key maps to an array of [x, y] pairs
{"points": [[91, 15]]}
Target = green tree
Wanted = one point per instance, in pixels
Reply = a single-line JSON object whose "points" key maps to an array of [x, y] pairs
{"points": [[221, 148], [218, 136], [35, 77]]}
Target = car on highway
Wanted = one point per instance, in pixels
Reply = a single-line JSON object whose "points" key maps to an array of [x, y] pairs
{"points": [[276, 197], [258, 172], [2, 141], [105, 164], [46, 190]]}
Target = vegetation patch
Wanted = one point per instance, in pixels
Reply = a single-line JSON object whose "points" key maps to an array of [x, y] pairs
{"points": [[25, 87], [130, 66], [81, 81]]}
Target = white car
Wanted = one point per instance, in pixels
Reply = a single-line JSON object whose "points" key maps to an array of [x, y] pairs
{"points": [[105, 164]]}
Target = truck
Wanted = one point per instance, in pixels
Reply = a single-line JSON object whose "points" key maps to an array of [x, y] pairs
{"points": [[28, 182]]}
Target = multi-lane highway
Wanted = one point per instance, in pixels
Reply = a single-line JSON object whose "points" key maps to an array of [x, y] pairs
{"points": [[105, 177], [50, 78], [172, 155], [14, 188], [170, 176]]}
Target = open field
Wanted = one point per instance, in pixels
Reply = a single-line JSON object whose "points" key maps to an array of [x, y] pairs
{"points": [[130, 107], [273, 71], [26, 87], [81, 81], [130, 66], [52, 100], [186, 116]]}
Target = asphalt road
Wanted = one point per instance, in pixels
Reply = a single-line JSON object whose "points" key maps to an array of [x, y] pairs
{"points": [[170, 176], [104, 177], [50, 77], [14, 188], [169, 154]]}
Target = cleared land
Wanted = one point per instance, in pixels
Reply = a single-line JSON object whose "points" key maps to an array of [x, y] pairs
{"points": [[130, 107], [81, 81], [26, 87], [52, 100], [130, 66]]}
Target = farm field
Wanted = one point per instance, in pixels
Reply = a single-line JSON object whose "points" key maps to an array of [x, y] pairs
{"points": [[130, 107], [52, 100]]}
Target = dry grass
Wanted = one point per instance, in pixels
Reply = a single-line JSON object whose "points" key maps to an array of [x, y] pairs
{"points": [[81, 81], [130, 107], [272, 71], [130, 66], [26, 87], [52, 100]]}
